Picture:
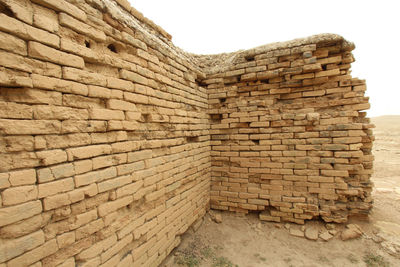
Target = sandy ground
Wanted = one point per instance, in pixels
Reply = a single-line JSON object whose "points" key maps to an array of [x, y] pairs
{"points": [[246, 242]]}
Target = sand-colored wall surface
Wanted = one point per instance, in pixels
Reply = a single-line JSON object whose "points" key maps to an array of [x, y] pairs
{"points": [[287, 133], [105, 153], [113, 141]]}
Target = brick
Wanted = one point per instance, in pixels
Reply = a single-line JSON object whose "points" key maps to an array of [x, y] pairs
{"points": [[17, 213], [335, 173], [147, 56], [121, 105], [23, 127], [129, 189], [17, 195], [32, 96], [116, 248], [60, 85], [88, 151], [83, 76], [45, 18], [134, 77], [21, 9], [51, 157], [89, 229], [101, 92], [139, 155], [27, 32], [145, 228], [23, 177], [65, 239], [13, 44], [97, 248], [335, 147], [133, 41], [80, 50], [106, 114], [14, 61], [120, 84], [114, 183], [47, 112], [35, 255], [11, 110], [85, 218], [106, 161], [56, 201], [133, 115], [64, 7], [136, 98], [347, 140], [76, 25], [331, 121], [97, 176], [15, 247], [12, 78], [111, 206], [4, 181], [52, 188], [155, 195], [83, 166], [39, 51], [327, 73]]}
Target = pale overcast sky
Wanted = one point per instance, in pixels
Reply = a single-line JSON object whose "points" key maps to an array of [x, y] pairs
{"points": [[217, 26]]}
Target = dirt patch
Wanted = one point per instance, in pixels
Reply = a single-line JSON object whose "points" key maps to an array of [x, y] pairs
{"points": [[245, 241]]}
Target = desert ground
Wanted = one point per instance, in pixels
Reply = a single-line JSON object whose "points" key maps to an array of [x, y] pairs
{"points": [[245, 241]]}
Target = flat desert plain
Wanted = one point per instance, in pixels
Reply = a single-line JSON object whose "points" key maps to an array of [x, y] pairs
{"points": [[245, 241]]}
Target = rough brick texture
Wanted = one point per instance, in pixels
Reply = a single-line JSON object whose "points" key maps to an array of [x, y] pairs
{"points": [[113, 141], [104, 137], [288, 134]]}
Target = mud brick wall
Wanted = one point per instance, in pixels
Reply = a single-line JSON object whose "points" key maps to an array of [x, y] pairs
{"points": [[104, 136], [287, 132], [113, 141]]}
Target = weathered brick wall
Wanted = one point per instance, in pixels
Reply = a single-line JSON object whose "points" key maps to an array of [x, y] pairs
{"points": [[287, 132], [111, 138], [104, 136]]}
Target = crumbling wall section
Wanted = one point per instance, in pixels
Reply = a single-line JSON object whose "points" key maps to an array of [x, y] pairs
{"points": [[288, 134], [104, 136]]}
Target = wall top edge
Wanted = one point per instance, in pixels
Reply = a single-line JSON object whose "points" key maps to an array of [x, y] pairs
{"points": [[217, 63], [214, 63]]}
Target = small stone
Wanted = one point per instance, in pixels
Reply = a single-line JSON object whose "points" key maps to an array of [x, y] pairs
{"points": [[383, 190], [287, 226], [218, 218], [296, 232], [355, 227], [352, 231], [333, 232], [350, 234], [278, 225], [326, 236], [303, 228], [377, 239], [311, 233], [313, 116], [259, 226], [330, 226]]}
